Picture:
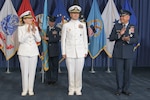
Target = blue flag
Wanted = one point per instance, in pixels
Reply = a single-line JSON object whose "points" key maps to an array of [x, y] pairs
{"points": [[44, 42], [133, 20], [62, 17], [127, 6], [60, 12], [96, 31]]}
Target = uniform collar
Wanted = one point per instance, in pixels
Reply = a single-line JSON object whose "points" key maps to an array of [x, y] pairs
{"points": [[51, 27], [74, 21], [27, 25], [126, 24]]}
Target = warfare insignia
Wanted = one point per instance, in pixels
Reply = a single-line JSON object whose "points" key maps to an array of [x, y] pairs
{"points": [[54, 32], [80, 26], [95, 27]]}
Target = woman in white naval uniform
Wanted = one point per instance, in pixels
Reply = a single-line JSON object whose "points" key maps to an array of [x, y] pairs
{"points": [[74, 48], [28, 52]]}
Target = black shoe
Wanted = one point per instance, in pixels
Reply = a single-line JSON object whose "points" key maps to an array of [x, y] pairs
{"points": [[117, 93], [127, 93], [53, 82], [49, 82]]}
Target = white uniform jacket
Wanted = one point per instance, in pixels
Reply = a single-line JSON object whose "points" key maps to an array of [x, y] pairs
{"points": [[74, 39], [27, 40]]}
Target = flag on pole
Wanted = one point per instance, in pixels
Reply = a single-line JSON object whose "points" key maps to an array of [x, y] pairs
{"points": [[60, 12], [127, 6], [44, 42], [8, 30], [110, 15], [62, 17], [96, 31], [25, 6], [133, 20]]}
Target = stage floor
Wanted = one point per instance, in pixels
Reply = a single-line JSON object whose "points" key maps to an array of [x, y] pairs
{"points": [[98, 86]]}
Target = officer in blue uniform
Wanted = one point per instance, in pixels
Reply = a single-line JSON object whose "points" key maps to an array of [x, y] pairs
{"points": [[125, 37], [53, 38]]}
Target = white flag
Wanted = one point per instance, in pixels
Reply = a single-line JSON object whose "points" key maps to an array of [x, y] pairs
{"points": [[8, 29], [110, 15]]}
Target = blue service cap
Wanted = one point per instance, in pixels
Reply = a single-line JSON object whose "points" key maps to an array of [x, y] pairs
{"points": [[125, 12], [52, 18]]}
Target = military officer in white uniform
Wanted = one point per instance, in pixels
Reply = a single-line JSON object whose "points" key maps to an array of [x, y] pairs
{"points": [[28, 36], [74, 48]]}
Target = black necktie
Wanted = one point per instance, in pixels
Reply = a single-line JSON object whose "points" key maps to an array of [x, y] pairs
{"points": [[124, 26]]}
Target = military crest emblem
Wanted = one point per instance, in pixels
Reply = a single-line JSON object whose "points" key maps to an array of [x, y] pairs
{"points": [[95, 27]]}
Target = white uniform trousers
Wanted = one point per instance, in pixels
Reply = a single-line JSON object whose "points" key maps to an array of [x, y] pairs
{"points": [[75, 68], [28, 69]]}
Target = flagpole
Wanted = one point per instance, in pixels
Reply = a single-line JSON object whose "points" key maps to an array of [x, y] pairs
{"points": [[8, 71], [42, 68], [59, 70], [42, 71], [108, 65], [92, 68]]}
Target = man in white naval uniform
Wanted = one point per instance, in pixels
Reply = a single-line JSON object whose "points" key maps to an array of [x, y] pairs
{"points": [[28, 52], [74, 46]]}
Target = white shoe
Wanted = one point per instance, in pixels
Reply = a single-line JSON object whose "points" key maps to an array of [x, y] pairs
{"points": [[71, 93], [79, 93], [23, 93], [31, 93]]}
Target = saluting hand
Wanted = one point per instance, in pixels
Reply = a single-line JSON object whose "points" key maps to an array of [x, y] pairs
{"points": [[122, 31]]}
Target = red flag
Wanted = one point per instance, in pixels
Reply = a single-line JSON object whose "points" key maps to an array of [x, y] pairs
{"points": [[25, 5]]}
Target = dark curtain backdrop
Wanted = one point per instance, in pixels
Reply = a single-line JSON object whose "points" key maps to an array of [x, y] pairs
{"points": [[141, 8]]}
